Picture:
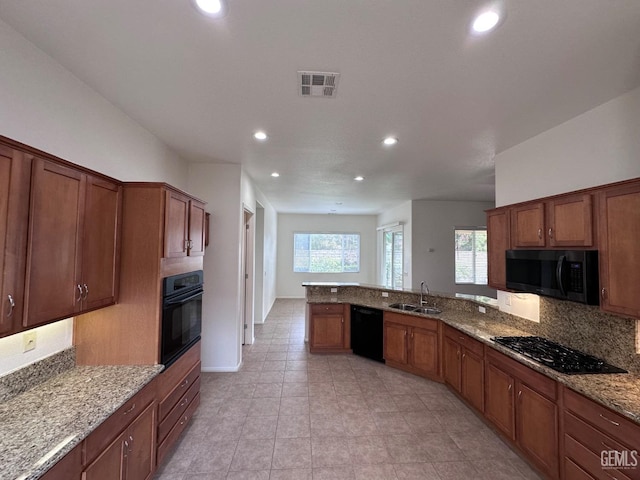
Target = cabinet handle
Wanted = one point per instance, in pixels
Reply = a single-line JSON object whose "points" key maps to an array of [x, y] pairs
{"points": [[133, 407], [551, 233], [184, 402], [510, 387], [130, 440], [184, 420], [12, 305], [342, 320], [86, 291], [539, 233], [464, 355], [79, 299], [610, 421], [185, 383], [519, 393], [603, 292]]}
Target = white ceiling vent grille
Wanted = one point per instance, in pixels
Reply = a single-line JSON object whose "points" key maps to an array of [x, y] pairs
{"points": [[318, 84]]}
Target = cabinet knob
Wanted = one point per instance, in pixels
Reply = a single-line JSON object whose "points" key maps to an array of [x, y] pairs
{"points": [[12, 305], [551, 233]]}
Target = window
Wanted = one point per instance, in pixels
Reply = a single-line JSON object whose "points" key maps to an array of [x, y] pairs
{"points": [[471, 255], [326, 252], [392, 262]]}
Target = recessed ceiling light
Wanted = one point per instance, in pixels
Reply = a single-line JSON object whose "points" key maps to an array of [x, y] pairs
{"points": [[390, 141], [260, 135], [212, 8], [485, 21], [359, 178], [275, 174]]}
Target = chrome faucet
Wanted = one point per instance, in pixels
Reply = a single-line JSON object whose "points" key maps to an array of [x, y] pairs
{"points": [[422, 288]]}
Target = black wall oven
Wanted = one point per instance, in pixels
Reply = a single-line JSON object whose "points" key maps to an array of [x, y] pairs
{"points": [[181, 314]]}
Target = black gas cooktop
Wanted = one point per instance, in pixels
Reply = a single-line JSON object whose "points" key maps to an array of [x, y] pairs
{"points": [[558, 357]]}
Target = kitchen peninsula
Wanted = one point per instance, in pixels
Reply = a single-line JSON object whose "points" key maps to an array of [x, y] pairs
{"points": [[537, 409]]}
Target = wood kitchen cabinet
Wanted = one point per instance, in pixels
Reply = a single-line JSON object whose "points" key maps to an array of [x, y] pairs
{"points": [[329, 327], [179, 397], [521, 403], [620, 249], [185, 226], [588, 429], [557, 222], [15, 175], [498, 242], [74, 241], [411, 344], [123, 446], [68, 468], [463, 366]]}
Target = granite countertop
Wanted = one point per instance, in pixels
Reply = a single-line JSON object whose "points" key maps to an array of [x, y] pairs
{"points": [[619, 392], [40, 426]]}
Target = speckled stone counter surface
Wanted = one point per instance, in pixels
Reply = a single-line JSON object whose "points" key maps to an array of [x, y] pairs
{"points": [[619, 392], [40, 425]]}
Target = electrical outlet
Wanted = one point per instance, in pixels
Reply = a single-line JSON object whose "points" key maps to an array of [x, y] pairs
{"points": [[481, 309], [334, 290], [385, 294], [28, 341]]}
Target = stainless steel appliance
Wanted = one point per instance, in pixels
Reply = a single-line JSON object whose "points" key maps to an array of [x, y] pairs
{"points": [[181, 314], [565, 274], [558, 357]]}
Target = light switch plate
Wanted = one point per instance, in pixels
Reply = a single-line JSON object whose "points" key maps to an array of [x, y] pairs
{"points": [[28, 341]]}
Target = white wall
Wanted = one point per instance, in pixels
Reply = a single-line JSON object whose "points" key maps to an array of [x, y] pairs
{"points": [[401, 213], [598, 147], [45, 106], [289, 284], [433, 228]]}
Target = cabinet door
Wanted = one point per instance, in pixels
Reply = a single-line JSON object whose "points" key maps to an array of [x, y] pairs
{"points": [[570, 221], [537, 429], [176, 225], [110, 464], [100, 251], [140, 454], [328, 331], [451, 367], [498, 242], [499, 396], [395, 342], [53, 259], [527, 225], [472, 381], [424, 350], [620, 249], [197, 229], [15, 177]]}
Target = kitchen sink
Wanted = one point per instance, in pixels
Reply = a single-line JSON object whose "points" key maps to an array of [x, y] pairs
{"points": [[427, 310], [404, 306]]}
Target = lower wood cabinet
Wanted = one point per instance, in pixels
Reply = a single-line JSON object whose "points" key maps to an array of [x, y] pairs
{"points": [[123, 446], [411, 344], [463, 366], [68, 468], [329, 328], [593, 434], [179, 397], [522, 404]]}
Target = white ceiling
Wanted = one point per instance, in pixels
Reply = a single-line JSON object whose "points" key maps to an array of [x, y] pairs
{"points": [[408, 68]]}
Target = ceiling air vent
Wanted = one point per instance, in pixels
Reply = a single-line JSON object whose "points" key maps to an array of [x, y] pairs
{"points": [[318, 84]]}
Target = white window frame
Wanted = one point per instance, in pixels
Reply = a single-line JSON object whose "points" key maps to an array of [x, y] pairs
{"points": [[393, 229], [474, 256], [328, 233]]}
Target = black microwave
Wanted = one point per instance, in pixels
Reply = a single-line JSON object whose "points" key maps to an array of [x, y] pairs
{"points": [[564, 274]]}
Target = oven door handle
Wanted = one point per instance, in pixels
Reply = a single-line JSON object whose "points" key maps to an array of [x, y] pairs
{"points": [[183, 300]]}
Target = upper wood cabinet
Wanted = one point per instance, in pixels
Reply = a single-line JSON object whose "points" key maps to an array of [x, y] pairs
{"points": [[498, 242], [620, 249], [184, 233], [15, 174], [72, 256], [570, 221], [527, 225]]}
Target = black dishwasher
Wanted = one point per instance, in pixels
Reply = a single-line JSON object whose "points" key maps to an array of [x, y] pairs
{"points": [[366, 332]]}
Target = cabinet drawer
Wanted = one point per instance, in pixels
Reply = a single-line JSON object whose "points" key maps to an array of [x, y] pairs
{"points": [[102, 436], [324, 308], [464, 340], [412, 321], [178, 410], [590, 462], [574, 472], [165, 447], [614, 425], [591, 438], [176, 373], [176, 394]]}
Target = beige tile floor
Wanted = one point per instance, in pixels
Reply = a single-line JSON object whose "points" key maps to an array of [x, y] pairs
{"points": [[291, 415]]}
